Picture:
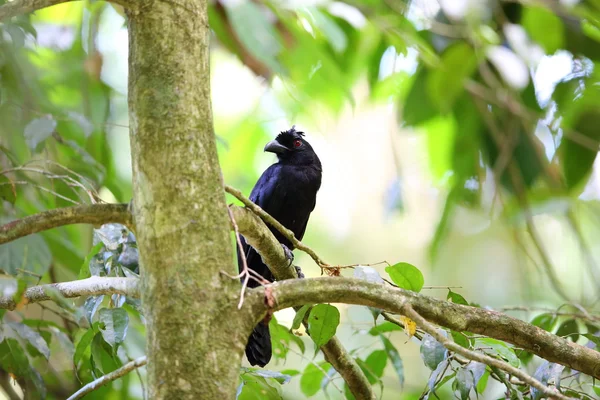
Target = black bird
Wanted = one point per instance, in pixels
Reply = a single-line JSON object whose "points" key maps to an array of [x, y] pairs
{"points": [[287, 190]]}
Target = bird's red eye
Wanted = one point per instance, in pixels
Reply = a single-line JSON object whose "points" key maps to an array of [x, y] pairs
{"points": [[297, 143]]}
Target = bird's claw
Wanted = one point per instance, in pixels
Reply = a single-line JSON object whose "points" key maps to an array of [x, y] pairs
{"points": [[299, 272], [288, 254]]}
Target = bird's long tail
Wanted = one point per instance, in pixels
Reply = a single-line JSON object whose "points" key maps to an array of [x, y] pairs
{"points": [[258, 349]]}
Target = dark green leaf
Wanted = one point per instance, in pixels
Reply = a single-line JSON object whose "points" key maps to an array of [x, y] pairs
{"points": [[456, 298], [394, 357], [577, 158], [103, 359], [322, 323], [406, 276], [116, 322], [461, 339], [300, 316], [374, 365], [569, 329], [38, 130], [432, 351], [445, 83], [544, 321], [8, 190], [384, 327], [418, 106], [83, 344]]}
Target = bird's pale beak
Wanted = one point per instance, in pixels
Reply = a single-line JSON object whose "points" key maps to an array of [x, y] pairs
{"points": [[275, 147]]}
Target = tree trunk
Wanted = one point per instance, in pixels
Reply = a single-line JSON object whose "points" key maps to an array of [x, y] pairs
{"points": [[182, 225]]}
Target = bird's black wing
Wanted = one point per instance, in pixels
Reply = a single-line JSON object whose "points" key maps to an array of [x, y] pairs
{"points": [[264, 194]]}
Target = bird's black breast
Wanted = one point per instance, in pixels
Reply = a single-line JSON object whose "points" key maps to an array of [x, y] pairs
{"points": [[288, 193]]}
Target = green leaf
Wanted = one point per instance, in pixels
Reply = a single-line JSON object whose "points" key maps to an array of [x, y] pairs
{"points": [[545, 321], [569, 329], [256, 32], [116, 322], [418, 106], [460, 339], [300, 316], [29, 253], [432, 351], [456, 298], [394, 357], [322, 323], [310, 381], [37, 131], [544, 27], [482, 384], [8, 190], [384, 327], [103, 359], [498, 348], [374, 365], [32, 337], [577, 159], [406, 276], [445, 83], [83, 344]]}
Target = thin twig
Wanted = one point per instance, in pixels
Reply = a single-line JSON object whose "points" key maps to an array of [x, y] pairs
{"points": [[103, 380], [245, 269], [479, 357]]}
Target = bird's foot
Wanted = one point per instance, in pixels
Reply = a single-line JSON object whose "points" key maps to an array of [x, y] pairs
{"points": [[288, 254], [299, 272]]}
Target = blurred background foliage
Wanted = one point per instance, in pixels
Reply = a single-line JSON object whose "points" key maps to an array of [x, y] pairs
{"points": [[457, 135]]}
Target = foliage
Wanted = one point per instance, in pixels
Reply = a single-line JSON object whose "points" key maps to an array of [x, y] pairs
{"points": [[471, 93]]}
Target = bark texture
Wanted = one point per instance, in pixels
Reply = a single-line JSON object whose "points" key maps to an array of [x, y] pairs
{"points": [[194, 352]]}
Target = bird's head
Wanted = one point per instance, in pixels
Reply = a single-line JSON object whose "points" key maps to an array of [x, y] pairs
{"points": [[291, 148]]}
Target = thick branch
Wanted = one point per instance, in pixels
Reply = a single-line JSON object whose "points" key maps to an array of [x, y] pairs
{"points": [[95, 214], [86, 287], [454, 316], [103, 380], [276, 224], [480, 357], [260, 237]]}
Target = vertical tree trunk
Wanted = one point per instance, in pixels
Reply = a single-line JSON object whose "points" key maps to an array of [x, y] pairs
{"points": [[179, 206]]}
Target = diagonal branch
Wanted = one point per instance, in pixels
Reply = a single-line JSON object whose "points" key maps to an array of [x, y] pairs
{"points": [[277, 225], [95, 214], [258, 235], [450, 315], [103, 380], [482, 358], [85, 287]]}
